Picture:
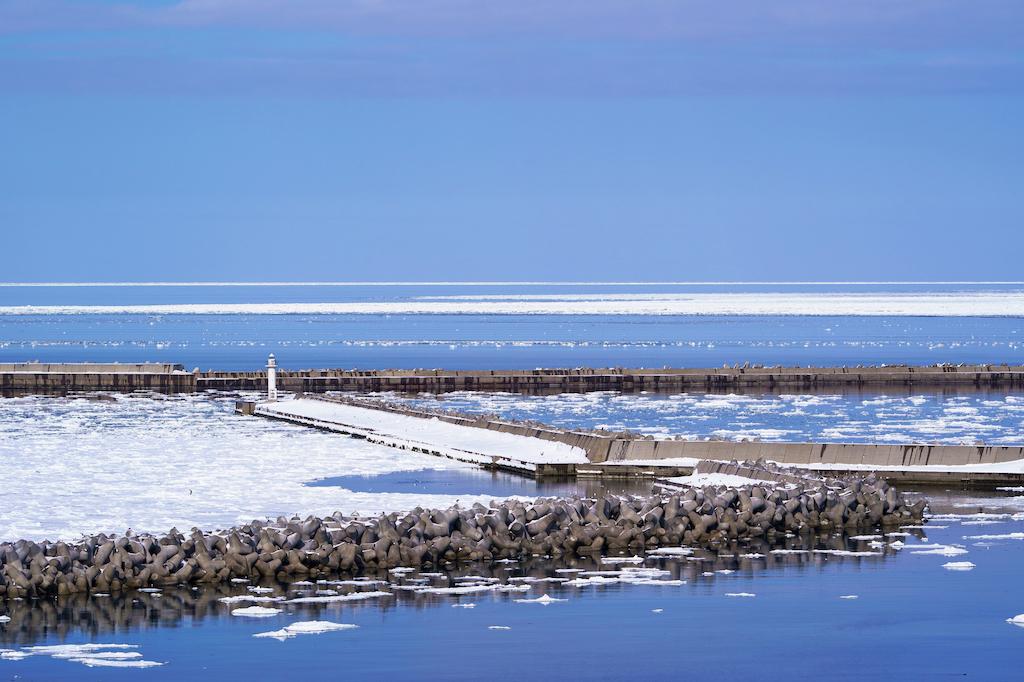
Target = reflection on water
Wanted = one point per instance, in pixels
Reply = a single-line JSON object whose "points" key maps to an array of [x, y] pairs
{"points": [[80, 616], [500, 484]]}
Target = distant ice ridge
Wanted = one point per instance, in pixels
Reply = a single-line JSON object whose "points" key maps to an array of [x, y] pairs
{"points": [[75, 467], [953, 304]]}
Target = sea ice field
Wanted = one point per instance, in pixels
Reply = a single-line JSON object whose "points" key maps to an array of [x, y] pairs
{"points": [[107, 463]]}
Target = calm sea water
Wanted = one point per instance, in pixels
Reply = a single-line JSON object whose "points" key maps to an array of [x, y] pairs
{"points": [[746, 612]]}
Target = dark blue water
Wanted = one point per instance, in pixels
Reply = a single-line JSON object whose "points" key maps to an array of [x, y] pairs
{"points": [[912, 620], [480, 482]]}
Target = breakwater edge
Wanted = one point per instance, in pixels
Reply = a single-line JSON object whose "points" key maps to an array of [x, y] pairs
{"points": [[513, 529]]}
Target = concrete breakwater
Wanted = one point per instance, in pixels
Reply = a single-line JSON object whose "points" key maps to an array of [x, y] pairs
{"points": [[172, 378], [613, 454], [512, 529], [46, 378], [737, 379]]}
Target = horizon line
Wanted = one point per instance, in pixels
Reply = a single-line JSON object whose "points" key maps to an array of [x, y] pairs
{"points": [[473, 283]]}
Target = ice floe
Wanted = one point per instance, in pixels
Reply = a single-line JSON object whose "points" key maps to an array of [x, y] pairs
{"points": [[943, 550], [545, 600], [959, 566], [256, 612], [332, 599], [305, 627], [739, 594], [92, 655]]}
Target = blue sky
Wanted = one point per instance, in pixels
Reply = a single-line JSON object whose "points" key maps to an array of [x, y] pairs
{"points": [[533, 140]]}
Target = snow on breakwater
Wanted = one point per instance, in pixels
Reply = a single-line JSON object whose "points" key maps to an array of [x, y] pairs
{"points": [[407, 432]]}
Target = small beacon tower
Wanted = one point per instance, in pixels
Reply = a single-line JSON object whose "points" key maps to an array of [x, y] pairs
{"points": [[271, 378]]}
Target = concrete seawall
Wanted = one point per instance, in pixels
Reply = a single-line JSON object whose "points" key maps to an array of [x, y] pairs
{"points": [[582, 380], [611, 455], [40, 378], [54, 378]]}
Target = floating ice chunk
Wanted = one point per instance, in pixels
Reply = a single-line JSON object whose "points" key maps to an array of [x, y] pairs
{"points": [[260, 590], [401, 569], [463, 606], [243, 598], [1017, 620], [739, 594], [545, 600], [234, 580], [355, 596], [657, 610], [5, 619], [847, 596], [845, 552], [92, 655], [305, 627], [622, 560], [708, 574], [256, 612], [866, 537], [498, 627], [1005, 536], [671, 551], [959, 566], [752, 555], [725, 571], [152, 590], [944, 550], [302, 583], [93, 662], [11, 655], [789, 551]]}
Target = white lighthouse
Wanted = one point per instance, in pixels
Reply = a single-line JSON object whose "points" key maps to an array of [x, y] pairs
{"points": [[271, 378]]}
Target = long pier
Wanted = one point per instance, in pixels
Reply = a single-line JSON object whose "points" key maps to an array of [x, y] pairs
{"points": [[610, 455], [736, 379], [28, 378]]}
